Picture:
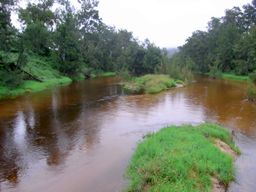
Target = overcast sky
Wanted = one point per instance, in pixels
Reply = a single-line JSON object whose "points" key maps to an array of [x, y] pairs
{"points": [[167, 23]]}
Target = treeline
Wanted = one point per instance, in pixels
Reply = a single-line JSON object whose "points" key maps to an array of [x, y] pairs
{"points": [[229, 44], [72, 39]]}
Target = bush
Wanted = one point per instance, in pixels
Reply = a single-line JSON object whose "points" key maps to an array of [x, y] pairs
{"points": [[181, 68], [241, 67], [181, 158], [150, 84], [251, 92], [11, 78], [253, 76], [215, 72]]}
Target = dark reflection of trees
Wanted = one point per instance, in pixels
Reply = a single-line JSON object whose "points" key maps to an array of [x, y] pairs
{"points": [[9, 154], [9, 169], [224, 102], [51, 129]]}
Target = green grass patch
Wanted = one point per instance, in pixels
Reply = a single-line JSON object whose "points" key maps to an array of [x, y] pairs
{"points": [[150, 84], [107, 74], [235, 77], [95, 74], [181, 158], [42, 69], [32, 86]]}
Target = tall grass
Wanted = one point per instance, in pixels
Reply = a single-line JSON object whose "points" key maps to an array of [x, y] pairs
{"points": [[40, 68], [150, 84], [181, 159], [231, 76]]}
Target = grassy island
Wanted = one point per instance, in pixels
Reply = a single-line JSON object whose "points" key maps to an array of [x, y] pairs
{"points": [[150, 84], [183, 158]]}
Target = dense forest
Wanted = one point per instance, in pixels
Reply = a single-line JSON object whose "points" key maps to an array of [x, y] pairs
{"points": [[229, 44], [58, 38]]}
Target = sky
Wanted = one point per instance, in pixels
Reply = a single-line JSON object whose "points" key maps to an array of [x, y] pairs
{"points": [[167, 23]]}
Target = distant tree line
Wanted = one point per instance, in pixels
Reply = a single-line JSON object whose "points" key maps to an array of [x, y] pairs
{"points": [[229, 44], [75, 39]]}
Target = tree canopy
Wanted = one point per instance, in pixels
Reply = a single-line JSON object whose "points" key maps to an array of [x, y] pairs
{"points": [[228, 45], [74, 38]]}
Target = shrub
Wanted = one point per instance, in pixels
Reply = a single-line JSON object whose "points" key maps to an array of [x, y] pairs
{"points": [[215, 72], [11, 78], [251, 92], [253, 76]]}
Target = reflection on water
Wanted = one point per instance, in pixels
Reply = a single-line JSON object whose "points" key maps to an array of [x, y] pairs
{"points": [[81, 137]]}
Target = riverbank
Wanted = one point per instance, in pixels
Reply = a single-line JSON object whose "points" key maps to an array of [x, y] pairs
{"points": [[42, 76], [184, 158], [234, 77], [30, 86], [150, 84]]}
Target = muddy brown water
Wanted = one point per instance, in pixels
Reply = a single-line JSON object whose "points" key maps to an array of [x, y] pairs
{"points": [[80, 137]]}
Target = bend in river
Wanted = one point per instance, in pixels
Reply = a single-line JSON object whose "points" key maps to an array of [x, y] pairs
{"points": [[81, 137]]}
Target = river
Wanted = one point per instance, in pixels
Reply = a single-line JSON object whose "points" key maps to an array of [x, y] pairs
{"points": [[80, 137]]}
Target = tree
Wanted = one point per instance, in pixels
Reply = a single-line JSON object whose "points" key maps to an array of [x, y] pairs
{"points": [[197, 48], [6, 28], [245, 51], [152, 58], [67, 45], [38, 19]]}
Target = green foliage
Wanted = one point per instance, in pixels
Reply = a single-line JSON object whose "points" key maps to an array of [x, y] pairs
{"points": [[37, 20], [229, 42], [125, 74], [152, 58], [10, 72], [215, 72], [252, 76], [41, 68], [11, 78], [67, 45], [57, 39], [7, 31], [107, 74], [180, 67], [149, 84], [18, 82], [251, 92], [29, 86], [181, 159], [234, 77]]}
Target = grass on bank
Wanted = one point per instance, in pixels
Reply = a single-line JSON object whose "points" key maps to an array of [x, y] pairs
{"points": [[181, 159], [235, 77], [31, 86], [107, 74], [150, 84], [41, 68]]}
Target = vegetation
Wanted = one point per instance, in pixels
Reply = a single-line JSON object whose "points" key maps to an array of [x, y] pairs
{"points": [[180, 67], [252, 76], [42, 74], [251, 92], [235, 77], [150, 84], [215, 71], [70, 41], [181, 159], [105, 74], [227, 46]]}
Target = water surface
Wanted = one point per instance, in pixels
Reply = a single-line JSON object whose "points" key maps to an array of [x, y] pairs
{"points": [[81, 137]]}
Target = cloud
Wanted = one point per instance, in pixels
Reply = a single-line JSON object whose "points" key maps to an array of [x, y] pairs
{"points": [[165, 22]]}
